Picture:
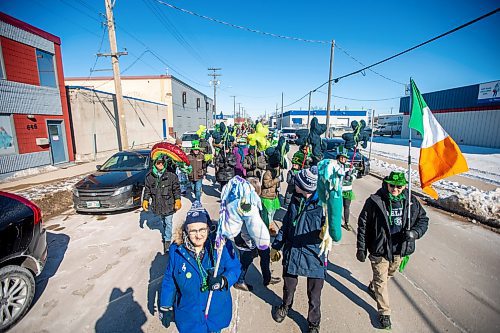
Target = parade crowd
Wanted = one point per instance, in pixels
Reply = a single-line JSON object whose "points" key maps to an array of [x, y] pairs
{"points": [[386, 231]]}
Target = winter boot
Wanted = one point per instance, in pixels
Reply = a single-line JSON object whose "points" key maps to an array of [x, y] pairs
{"points": [[243, 286], [273, 280], [280, 314], [313, 328], [385, 321]]}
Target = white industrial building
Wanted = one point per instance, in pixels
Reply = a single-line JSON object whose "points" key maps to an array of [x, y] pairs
{"points": [[299, 118], [470, 114], [187, 108]]}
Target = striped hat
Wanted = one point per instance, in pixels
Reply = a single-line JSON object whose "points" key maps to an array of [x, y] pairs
{"points": [[307, 179]]}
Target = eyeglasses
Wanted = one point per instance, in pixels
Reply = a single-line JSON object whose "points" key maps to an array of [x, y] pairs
{"points": [[202, 231], [396, 186], [159, 162]]}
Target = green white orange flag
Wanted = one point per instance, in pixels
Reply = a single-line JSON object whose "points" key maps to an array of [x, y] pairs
{"points": [[440, 156]]}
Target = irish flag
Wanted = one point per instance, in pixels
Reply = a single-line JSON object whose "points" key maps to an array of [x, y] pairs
{"points": [[440, 156]]}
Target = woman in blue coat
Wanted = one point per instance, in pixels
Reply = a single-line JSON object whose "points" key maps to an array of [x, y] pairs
{"points": [[189, 278]]}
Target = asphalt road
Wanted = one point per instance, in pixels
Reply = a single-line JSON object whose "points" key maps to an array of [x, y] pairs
{"points": [[104, 272]]}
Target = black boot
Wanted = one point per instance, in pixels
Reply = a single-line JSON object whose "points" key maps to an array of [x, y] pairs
{"points": [[273, 280], [385, 321], [313, 328], [280, 314]]}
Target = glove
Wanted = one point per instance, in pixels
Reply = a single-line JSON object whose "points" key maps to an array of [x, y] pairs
{"points": [[145, 205], [216, 283], [361, 255], [166, 316], [275, 255], [411, 235], [326, 244], [177, 204]]}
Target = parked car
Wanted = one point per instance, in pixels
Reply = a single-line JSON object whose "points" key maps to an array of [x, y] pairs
{"points": [[388, 130], [360, 162], [188, 138], [117, 184], [337, 131], [23, 253], [290, 134]]}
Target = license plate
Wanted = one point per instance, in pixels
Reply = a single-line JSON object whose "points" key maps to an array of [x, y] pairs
{"points": [[93, 204]]}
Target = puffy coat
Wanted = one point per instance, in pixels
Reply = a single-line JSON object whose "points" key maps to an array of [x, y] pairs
{"points": [[163, 192], [198, 164], [270, 183], [373, 226], [240, 154], [181, 288], [301, 242], [225, 167], [254, 165]]}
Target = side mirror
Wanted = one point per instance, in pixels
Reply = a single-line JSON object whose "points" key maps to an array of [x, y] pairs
{"points": [[98, 166]]}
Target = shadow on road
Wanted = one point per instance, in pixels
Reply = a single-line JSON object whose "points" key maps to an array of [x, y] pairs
{"points": [[152, 221], [210, 190], [156, 271], [254, 278], [417, 307], [372, 312], [123, 313], [57, 245], [346, 274]]}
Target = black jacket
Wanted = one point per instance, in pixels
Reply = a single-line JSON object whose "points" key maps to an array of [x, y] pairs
{"points": [[301, 242], [225, 164], [373, 226], [163, 192]]}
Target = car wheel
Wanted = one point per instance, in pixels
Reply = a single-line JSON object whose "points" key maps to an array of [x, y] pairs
{"points": [[17, 289]]}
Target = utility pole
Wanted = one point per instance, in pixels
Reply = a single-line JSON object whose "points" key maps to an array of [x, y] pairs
{"points": [[329, 90], [238, 115], [234, 108], [276, 115], [215, 83], [309, 110], [281, 123], [123, 139]]}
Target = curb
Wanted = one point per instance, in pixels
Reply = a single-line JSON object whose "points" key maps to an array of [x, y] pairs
{"points": [[489, 223]]}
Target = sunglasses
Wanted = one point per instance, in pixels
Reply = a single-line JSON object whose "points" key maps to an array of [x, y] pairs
{"points": [[396, 186], [159, 162]]}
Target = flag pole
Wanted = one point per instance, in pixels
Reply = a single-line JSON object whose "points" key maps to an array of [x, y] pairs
{"points": [[409, 154]]}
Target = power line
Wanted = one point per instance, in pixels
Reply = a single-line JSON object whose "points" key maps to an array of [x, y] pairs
{"points": [[419, 45], [336, 80], [363, 100]]}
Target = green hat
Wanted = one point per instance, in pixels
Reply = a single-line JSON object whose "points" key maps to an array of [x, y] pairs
{"points": [[342, 152], [195, 145], [396, 178]]}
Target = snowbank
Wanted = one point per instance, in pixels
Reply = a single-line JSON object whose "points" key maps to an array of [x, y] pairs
{"points": [[28, 172], [483, 206]]}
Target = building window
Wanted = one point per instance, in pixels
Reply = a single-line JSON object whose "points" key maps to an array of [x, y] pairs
{"points": [[2, 69], [46, 69], [198, 103], [207, 106], [184, 98]]}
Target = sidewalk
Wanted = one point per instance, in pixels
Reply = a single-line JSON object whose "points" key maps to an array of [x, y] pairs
{"points": [[64, 172]]}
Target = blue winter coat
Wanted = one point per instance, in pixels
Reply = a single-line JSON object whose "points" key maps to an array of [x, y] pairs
{"points": [[181, 289], [301, 242]]}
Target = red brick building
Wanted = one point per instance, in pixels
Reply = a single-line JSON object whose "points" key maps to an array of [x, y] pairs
{"points": [[34, 119]]}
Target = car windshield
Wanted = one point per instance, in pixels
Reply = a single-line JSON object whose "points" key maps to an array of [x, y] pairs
{"points": [[126, 162], [190, 137]]}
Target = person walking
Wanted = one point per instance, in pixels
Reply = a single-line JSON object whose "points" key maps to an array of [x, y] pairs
{"points": [[189, 278], [300, 160], [384, 232], [248, 252], [299, 237], [270, 195], [162, 195], [198, 164], [225, 163], [347, 192], [183, 178], [254, 163], [240, 151]]}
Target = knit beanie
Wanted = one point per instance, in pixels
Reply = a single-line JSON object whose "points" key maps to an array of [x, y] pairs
{"points": [[307, 179], [197, 214]]}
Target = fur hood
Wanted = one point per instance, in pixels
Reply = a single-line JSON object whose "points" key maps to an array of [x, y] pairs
{"points": [[178, 239]]}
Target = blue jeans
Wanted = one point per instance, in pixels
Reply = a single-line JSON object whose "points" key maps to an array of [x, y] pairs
{"points": [[196, 187], [167, 227]]}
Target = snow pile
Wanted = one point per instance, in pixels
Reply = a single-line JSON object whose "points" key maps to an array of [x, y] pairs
{"points": [[29, 172], [40, 191], [459, 198]]}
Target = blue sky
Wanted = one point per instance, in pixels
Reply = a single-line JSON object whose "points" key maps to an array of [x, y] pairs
{"points": [[258, 68]]}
